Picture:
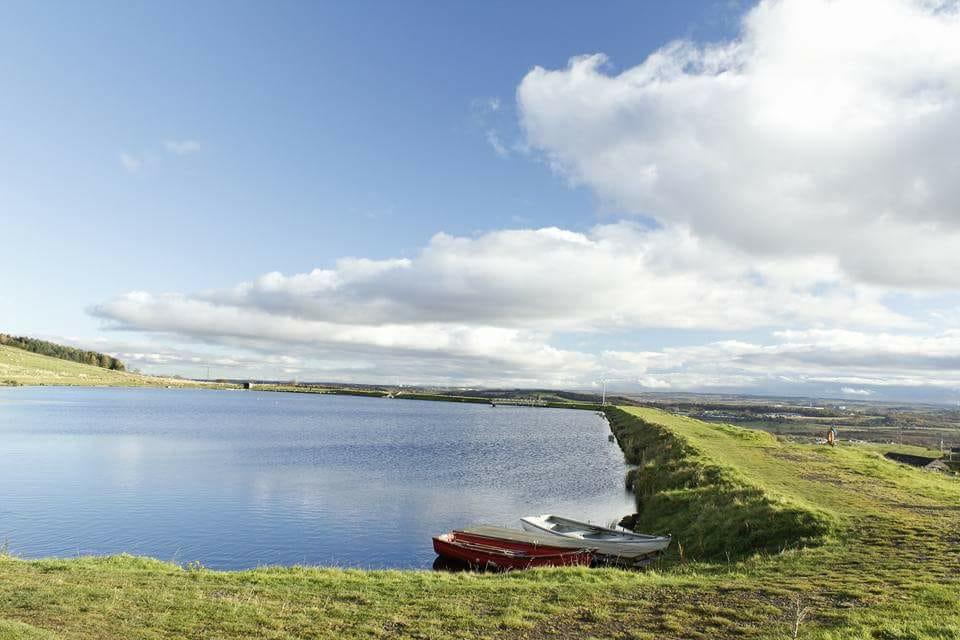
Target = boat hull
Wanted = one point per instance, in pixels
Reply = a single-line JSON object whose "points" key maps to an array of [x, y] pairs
{"points": [[629, 550], [488, 553], [535, 539], [540, 545]]}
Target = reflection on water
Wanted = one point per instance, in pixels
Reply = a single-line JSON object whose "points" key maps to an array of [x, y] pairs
{"points": [[242, 479]]}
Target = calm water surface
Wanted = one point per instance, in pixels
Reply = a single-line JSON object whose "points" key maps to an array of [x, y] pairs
{"points": [[242, 479]]}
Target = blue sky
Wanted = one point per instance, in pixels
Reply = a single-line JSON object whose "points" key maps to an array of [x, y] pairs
{"points": [[326, 130], [182, 149]]}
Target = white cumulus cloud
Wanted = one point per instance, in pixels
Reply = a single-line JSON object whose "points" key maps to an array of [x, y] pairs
{"points": [[853, 391], [825, 128], [797, 184], [618, 276], [492, 307], [853, 359]]}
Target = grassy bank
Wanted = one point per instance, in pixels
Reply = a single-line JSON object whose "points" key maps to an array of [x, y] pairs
{"points": [[884, 565], [19, 367], [715, 510]]}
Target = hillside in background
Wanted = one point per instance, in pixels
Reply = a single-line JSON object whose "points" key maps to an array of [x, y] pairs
{"points": [[20, 367], [63, 352]]}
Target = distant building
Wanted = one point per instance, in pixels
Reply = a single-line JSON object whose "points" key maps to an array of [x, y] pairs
{"points": [[938, 465], [906, 458], [922, 462]]}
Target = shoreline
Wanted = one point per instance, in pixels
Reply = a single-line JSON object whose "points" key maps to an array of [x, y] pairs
{"points": [[130, 395], [913, 574], [316, 390], [20, 368]]}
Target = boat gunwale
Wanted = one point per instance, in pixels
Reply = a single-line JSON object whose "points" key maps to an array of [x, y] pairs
{"points": [[626, 537], [543, 543]]}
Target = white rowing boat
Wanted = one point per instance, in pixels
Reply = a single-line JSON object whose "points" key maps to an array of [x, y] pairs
{"points": [[609, 542]]}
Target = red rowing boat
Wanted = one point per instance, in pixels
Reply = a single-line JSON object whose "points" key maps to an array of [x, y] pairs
{"points": [[486, 552]]}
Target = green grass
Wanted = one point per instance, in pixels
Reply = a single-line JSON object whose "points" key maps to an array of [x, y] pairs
{"points": [[19, 367], [700, 494], [884, 565]]}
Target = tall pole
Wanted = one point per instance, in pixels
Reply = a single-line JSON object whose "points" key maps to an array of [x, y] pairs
{"points": [[603, 400]]}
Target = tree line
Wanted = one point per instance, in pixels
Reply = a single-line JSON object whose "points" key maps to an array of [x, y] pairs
{"points": [[63, 352]]}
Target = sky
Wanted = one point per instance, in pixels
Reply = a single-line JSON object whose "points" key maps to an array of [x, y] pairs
{"points": [[698, 196]]}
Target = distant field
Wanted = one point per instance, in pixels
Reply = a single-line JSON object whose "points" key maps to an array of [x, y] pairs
{"points": [[908, 424], [19, 367]]}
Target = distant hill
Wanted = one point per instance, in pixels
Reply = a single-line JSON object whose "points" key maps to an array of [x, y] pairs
{"points": [[21, 367], [63, 352]]}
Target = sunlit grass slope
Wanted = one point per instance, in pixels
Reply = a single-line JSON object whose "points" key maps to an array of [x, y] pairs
{"points": [[19, 367], [881, 563], [702, 494]]}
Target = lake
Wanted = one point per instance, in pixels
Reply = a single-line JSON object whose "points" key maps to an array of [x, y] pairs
{"points": [[239, 479]]}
